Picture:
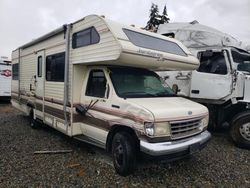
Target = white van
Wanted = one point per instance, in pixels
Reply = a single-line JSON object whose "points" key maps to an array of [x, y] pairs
{"points": [[94, 80], [5, 78]]}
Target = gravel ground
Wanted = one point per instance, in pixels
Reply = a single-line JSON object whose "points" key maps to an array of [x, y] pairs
{"points": [[220, 164]]}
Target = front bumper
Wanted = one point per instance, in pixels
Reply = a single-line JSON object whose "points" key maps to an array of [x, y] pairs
{"points": [[189, 145]]}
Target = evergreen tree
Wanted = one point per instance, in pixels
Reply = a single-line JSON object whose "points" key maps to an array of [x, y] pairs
{"points": [[164, 17], [153, 18]]}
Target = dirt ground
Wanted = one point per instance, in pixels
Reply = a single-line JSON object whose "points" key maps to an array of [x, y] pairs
{"points": [[220, 164]]}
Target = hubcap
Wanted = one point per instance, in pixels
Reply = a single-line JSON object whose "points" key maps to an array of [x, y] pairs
{"points": [[245, 131], [119, 153]]}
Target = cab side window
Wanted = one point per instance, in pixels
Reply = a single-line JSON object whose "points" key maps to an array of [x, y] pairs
{"points": [[96, 85], [214, 63]]}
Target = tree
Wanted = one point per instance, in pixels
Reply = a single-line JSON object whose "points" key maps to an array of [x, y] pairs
{"points": [[155, 19], [164, 17]]}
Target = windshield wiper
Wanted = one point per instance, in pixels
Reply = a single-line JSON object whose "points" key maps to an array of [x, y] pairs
{"points": [[164, 94], [136, 93]]}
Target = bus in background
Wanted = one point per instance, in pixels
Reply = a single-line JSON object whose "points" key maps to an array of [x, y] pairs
{"points": [[5, 79]]}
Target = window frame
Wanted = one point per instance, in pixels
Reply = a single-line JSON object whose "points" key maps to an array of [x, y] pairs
{"points": [[88, 83], [39, 66], [55, 80], [15, 74], [214, 73], [91, 30], [126, 31]]}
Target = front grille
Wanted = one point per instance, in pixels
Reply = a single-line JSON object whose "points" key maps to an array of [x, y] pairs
{"points": [[185, 128]]}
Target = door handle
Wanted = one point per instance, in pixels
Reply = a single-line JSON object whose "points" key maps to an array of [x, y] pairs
{"points": [[195, 91]]}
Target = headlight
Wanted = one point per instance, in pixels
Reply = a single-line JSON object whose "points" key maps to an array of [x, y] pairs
{"points": [[157, 129], [204, 122], [149, 128]]}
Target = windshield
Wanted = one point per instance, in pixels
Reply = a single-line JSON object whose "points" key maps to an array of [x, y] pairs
{"points": [[138, 83], [242, 59]]}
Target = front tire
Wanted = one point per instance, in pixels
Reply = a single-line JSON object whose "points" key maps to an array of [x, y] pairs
{"points": [[240, 130], [124, 153]]}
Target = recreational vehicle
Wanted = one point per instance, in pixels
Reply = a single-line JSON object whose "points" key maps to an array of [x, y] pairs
{"points": [[94, 80], [5, 79], [221, 82]]}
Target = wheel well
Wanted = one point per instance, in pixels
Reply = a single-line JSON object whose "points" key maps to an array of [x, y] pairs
{"points": [[120, 128], [240, 115], [218, 114]]}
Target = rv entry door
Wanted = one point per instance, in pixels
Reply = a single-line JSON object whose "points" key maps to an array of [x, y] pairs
{"points": [[39, 85]]}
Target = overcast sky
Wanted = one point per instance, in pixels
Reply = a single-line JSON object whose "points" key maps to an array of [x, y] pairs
{"points": [[24, 20]]}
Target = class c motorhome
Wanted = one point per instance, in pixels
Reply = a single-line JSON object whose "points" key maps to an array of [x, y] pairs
{"points": [[94, 80]]}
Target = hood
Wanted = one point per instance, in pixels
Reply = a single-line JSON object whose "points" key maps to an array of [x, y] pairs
{"points": [[171, 108]]}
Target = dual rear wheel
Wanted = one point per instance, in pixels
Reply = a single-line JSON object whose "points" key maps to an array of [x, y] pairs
{"points": [[33, 122]]}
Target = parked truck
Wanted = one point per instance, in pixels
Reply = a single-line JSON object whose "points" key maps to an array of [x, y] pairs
{"points": [[5, 79], [94, 80], [221, 82]]}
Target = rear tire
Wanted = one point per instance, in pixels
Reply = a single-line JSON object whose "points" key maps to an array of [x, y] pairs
{"points": [[240, 130], [124, 153], [33, 122]]}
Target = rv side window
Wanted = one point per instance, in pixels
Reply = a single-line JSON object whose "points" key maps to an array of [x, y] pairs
{"points": [[212, 62], [154, 43], [15, 71], [96, 86], [39, 66], [85, 37], [55, 67]]}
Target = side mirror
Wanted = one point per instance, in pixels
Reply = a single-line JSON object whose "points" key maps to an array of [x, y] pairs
{"points": [[81, 109], [166, 77], [175, 88]]}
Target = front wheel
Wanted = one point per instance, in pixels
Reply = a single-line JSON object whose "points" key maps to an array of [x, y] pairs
{"points": [[124, 153], [240, 130]]}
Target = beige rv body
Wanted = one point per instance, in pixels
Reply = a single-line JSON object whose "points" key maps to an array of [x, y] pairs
{"points": [[54, 103]]}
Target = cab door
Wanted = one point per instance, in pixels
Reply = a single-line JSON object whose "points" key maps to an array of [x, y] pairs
{"points": [[39, 83], [97, 99], [213, 79]]}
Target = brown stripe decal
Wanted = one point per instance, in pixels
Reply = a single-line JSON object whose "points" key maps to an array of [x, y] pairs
{"points": [[55, 112], [52, 100], [47, 99], [118, 113], [95, 122]]}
